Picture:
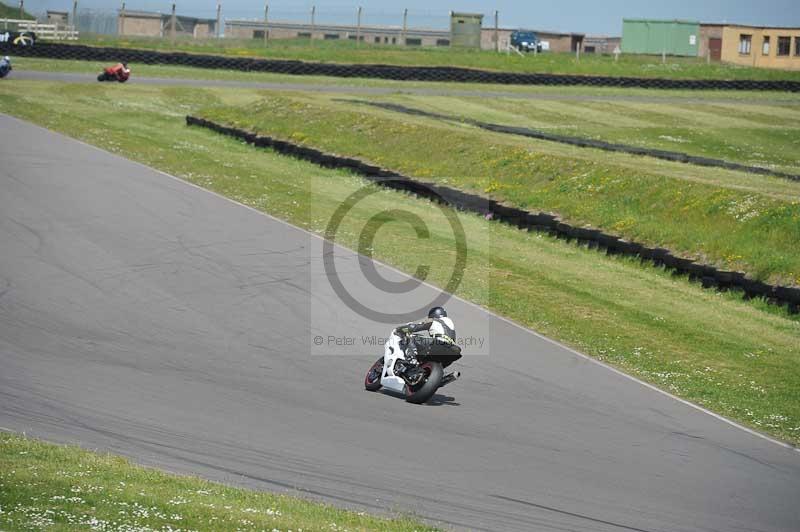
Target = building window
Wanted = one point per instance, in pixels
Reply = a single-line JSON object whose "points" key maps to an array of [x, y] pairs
{"points": [[745, 41], [442, 42], [413, 42], [765, 46], [784, 46], [333, 36], [258, 34], [394, 40], [797, 46], [304, 35], [377, 40]]}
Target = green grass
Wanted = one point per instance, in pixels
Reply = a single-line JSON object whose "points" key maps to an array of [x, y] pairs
{"points": [[12, 12], [54, 487], [349, 52], [762, 135], [728, 219], [741, 359], [518, 91]]}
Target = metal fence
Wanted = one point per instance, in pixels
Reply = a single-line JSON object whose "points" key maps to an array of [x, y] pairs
{"points": [[105, 21], [97, 21]]}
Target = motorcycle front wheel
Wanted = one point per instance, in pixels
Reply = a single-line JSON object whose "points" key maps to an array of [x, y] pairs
{"points": [[372, 382], [102, 77], [427, 386]]}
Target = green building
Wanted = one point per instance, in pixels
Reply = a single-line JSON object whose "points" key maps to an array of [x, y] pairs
{"points": [[673, 37], [465, 30]]}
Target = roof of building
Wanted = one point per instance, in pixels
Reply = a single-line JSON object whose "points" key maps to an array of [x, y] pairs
{"points": [[302, 26], [543, 32], [754, 26], [660, 21], [157, 14]]}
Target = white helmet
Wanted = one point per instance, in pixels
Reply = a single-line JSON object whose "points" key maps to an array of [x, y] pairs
{"points": [[7, 58]]}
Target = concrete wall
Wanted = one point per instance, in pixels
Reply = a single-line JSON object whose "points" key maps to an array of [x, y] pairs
{"points": [[139, 26], [60, 18], [561, 42], [487, 38], [160, 25], [465, 30], [204, 30], [601, 45], [732, 37]]}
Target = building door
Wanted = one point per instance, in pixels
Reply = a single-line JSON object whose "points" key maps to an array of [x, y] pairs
{"points": [[715, 47]]}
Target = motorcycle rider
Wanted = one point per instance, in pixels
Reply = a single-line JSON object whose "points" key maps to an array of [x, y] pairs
{"points": [[120, 71], [441, 329], [5, 66]]}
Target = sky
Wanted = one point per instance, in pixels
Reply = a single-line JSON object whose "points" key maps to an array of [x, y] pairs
{"points": [[584, 16]]}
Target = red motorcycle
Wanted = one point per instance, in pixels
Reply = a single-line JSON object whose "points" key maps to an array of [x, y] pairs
{"points": [[119, 72]]}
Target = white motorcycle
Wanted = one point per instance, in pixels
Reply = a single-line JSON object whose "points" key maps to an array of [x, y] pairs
{"points": [[419, 382]]}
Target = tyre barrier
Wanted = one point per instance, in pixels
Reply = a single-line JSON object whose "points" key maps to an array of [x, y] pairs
{"points": [[709, 276], [388, 72], [673, 156]]}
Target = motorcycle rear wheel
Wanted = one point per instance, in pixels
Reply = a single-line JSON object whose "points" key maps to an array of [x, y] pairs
{"points": [[372, 382], [424, 391]]}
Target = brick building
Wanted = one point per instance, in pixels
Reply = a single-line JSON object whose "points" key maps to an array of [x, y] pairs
{"points": [[149, 24], [556, 41], [254, 29], [763, 47]]}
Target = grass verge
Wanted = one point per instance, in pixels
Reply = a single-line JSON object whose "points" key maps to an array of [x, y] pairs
{"points": [[766, 136], [551, 63], [516, 91], [706, 219], [55, 487], [741, 359]]}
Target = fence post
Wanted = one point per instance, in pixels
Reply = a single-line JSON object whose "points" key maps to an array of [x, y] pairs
{"points": [[219, 20], [121, 25], [313, 25], [496, 30], [74, 15], [266, 23], [405, 25], [358, 27], [172, 25], [21, 9]]}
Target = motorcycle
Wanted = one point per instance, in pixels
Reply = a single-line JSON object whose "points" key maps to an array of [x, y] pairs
{"points": [[5, 66], [418, 383], [119, 72]]}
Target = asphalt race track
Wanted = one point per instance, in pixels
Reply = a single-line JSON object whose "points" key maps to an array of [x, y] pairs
{"points": [[147, 317], [533, 94]]}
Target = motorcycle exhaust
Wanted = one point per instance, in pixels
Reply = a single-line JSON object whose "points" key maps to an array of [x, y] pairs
{"points": [[450, 377]]}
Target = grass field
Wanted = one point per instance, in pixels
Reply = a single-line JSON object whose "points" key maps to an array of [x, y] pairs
{"points": [[53, 487], [12, 12], [741, 359], [701, 213], [765, 136], [516, 91], [350, 52]]}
